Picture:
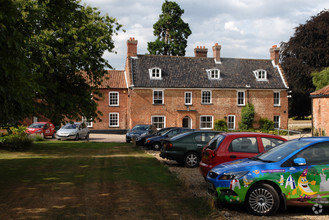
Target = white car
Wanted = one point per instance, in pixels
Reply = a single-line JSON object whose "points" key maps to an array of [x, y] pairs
{"points": [[74, 131]]}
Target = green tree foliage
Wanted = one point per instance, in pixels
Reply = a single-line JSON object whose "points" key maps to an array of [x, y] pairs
{"points": [[247, 117], [321, 79], [220, 125], [266, 124], [305, 52], [57, 55], [171, 32]]}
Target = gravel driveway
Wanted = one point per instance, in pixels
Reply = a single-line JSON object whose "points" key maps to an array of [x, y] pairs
{"points": [[195, 183]]}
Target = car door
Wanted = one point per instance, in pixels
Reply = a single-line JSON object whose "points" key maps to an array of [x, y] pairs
{"points": [[241, 147], [47, 130], [310, 181]]}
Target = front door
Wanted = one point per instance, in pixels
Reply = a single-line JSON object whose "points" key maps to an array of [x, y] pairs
{"points": [[186, 122]]}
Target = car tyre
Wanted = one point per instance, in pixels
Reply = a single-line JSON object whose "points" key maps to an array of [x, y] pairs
{"points": [[77, 137], [156, 146], [191, 160], [262, 199]]}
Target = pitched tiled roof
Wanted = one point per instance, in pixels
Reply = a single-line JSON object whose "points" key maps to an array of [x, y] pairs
{"points": [[114, 79], [324, 92], [190, 72]]}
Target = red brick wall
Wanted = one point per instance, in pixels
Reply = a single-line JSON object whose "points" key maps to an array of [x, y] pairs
{"points": [[106, 109], [224, 103], [320, 115]]}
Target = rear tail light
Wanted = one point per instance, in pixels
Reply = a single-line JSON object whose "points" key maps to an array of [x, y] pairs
{"points": [[169, 145]]}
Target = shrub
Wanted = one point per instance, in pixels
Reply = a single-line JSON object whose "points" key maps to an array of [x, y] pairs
{"points": [[16, 141], [247, 117], [220, 125], [266, 124]]}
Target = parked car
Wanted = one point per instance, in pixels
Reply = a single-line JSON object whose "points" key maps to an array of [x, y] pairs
{"points": [[293, 173], [142, 138], [235, 145], [75, 131], [44, 129], [155, 141], [186, 147], [139, 130]]}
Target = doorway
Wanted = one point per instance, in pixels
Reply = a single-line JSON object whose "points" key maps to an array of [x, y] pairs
{"points": [[187, 122]]}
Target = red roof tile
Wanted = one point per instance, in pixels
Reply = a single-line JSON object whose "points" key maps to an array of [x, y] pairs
{"points": [[321, 92], [114, 79]]}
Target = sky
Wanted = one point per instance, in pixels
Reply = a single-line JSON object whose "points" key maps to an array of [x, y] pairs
{"points": [[244, 28]]}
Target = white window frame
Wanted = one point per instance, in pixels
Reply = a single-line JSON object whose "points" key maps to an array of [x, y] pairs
{"points": [[153, 97], [118, 100], [201, 121], [261, 75], [278, 99], [157, 123], [276, 122], [118, 120], [213, 74], [190, 98], [89, 123], [155, 73], [229, 122], [210, 101], [238, 98]]}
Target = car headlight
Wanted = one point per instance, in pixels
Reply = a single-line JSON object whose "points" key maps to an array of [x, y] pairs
{"points": [[233, 175]]}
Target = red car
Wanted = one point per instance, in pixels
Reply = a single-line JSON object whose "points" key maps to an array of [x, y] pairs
{"points": [[43, 129], [235, 145]]}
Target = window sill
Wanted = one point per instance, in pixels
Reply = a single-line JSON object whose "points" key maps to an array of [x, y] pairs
{"points": [[206, 103], [158, 104]]}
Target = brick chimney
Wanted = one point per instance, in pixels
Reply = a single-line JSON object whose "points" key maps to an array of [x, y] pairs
{"points": [[274, 52], [216, 50], [200, 51], [132, 47]]}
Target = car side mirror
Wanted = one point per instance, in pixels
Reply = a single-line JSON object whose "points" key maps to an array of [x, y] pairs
{"points": [[300, 161]]}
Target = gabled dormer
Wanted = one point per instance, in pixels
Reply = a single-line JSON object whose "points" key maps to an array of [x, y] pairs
{"points": [[213, 74], [155, 73], [260, 74]]}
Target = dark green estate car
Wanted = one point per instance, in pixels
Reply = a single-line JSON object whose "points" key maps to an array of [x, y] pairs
{"points": [[186, 147]]}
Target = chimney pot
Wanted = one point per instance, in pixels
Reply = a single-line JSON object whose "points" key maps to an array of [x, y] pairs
{"points": [[200, 51], [216, 50], [132, 47], [274, 54]]}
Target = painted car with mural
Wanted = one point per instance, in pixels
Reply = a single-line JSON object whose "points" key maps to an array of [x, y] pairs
{"points": [[293, 173]]}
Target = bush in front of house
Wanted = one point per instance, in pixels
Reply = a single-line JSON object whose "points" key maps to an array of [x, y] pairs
{"points": [[266, 124], [247, 117], [15, 140], [220, 125]]}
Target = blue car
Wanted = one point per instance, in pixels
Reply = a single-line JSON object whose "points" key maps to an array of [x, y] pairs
{"points": [[293, 173], [155, 141]]}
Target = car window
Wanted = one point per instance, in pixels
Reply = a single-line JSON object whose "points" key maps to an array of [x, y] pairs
{"points": [[244, 144], [269, 143], [70, 126], [215, 142], [316, 154], [172, 133], [36, 126]]}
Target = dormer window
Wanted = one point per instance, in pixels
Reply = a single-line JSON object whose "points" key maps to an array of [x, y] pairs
{"points": [[261, 75], [155, 73], [213, 74]]}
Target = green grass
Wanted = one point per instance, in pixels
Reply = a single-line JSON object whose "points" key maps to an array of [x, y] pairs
{"points": [[91, 180]]}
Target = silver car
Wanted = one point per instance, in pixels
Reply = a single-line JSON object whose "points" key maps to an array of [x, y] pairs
{"points": [[74, 131]]}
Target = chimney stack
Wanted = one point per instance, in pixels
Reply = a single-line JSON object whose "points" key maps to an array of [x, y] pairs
{"points": [[200, 51], [274, 52], [216, 50], [132, 47]]}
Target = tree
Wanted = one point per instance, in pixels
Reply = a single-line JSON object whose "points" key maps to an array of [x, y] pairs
{"points": [[62, 48], [171, 32], [305, 52], [247, 117], [321, 79]]}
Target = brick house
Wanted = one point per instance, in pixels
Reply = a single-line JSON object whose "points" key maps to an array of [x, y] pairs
{"points": [[113, 104], [195, 91], [320, 116]]}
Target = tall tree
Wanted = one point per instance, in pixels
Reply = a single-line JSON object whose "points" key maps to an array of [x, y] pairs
{"points": [[321, 79], [305, 52], [63, 48], [171, 32]]}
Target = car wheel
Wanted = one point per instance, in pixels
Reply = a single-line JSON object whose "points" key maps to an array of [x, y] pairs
{"points": [[191, 160], [42, 135], [87, 137], [77, 137], [156, 146], [262, 199]]}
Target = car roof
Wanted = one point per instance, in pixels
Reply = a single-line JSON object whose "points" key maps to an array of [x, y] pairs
{"points": [[246, 134], [313, 139], [40, 122]]}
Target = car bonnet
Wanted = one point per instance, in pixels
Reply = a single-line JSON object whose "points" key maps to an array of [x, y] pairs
{"points": [[237, 165]]}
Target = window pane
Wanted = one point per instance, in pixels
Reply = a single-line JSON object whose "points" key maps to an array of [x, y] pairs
{"points": [[114, 119], [247, 144], [114, 98], [158, 121], [157, 95], [206, 122], [206, 97], [276, 121]]}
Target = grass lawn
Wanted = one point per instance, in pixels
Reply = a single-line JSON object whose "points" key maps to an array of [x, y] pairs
{"points": [[79, 180]]}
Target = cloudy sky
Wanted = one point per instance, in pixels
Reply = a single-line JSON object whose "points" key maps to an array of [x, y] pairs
{"points": [[244, 28]]}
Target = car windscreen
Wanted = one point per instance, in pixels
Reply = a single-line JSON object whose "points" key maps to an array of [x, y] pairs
{"points": [[214, 143], [70, 126], [36, 125], [281, 151], [140, 127]]}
